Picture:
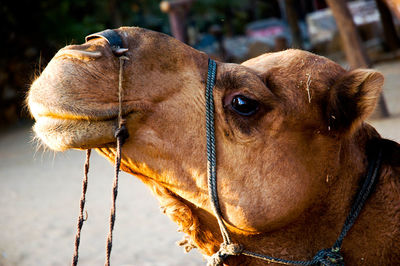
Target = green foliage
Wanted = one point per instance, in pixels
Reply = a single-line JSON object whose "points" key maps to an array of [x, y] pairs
{"points": [[33, 30], [231, 15], [59, 22]]}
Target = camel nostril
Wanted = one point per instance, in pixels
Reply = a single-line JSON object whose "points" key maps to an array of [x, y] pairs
{"points": [[79, 54]]}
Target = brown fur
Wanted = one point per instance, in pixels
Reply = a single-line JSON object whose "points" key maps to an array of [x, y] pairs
{"points": [[286, 175]]}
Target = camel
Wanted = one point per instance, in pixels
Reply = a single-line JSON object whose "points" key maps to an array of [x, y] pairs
{"points": [[291, 142]]}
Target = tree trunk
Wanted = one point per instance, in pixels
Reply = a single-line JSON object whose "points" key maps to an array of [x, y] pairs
{"points": [[177, 13], [115, 15], [394, 6], [352, 44], [293, 21], [392, 41], [178, 25], [351, 40]]}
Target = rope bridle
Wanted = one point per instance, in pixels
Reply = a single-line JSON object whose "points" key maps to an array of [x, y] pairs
{"points": [[121, 134], [329, 257]]}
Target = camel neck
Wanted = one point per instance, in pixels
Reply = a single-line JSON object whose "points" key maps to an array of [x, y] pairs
{"points": [[323, 225]]}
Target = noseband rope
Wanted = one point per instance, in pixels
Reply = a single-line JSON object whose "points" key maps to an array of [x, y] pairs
{"points": [[328, 257], [121, 134]]}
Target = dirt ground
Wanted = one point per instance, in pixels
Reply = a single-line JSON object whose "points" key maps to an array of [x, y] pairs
{"points": [[39, 197], [39, 194]]}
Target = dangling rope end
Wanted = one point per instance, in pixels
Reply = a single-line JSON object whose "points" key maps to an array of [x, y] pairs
{"points": [[224, 251], [82, 212]]}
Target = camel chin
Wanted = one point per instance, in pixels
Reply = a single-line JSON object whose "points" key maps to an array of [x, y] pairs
{"points": [[60, 134]]}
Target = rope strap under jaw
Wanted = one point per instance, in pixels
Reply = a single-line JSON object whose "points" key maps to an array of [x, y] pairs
{"points": [[211, 154], [328, 257], [227, 248]]}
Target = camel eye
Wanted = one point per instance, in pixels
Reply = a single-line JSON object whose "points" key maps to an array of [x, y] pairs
{"points": [[244, 106]]}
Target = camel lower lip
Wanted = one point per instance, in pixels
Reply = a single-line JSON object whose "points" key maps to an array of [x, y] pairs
{"points": [[40, 111], [70, 117], [61, 134]]}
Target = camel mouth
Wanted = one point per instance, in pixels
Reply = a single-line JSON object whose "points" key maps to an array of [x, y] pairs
{"points": [[60, 134], [75, 117], [61, 130], [39, 110]]}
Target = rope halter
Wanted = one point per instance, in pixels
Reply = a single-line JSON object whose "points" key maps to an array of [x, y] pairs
{"points": [[328, 257]]}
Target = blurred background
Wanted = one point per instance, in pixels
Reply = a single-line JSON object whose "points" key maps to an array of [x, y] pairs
{"points": [[39, 190], [228, 30]]}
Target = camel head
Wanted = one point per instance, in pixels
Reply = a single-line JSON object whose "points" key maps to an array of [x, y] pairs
{"points": [[280, 121]]}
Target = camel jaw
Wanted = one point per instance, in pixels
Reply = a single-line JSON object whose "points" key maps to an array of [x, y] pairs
{"points": [[61, 128], [60, 134]]}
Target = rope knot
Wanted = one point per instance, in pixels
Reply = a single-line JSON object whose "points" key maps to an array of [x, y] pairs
{"points": [[121, 133], [224, 251], [329, 257]]}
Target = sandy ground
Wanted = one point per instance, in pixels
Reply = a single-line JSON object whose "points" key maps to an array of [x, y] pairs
{"points": [[39, 194]]}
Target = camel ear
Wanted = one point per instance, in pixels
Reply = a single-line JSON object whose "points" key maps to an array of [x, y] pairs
{"points": [[352, 99]]}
